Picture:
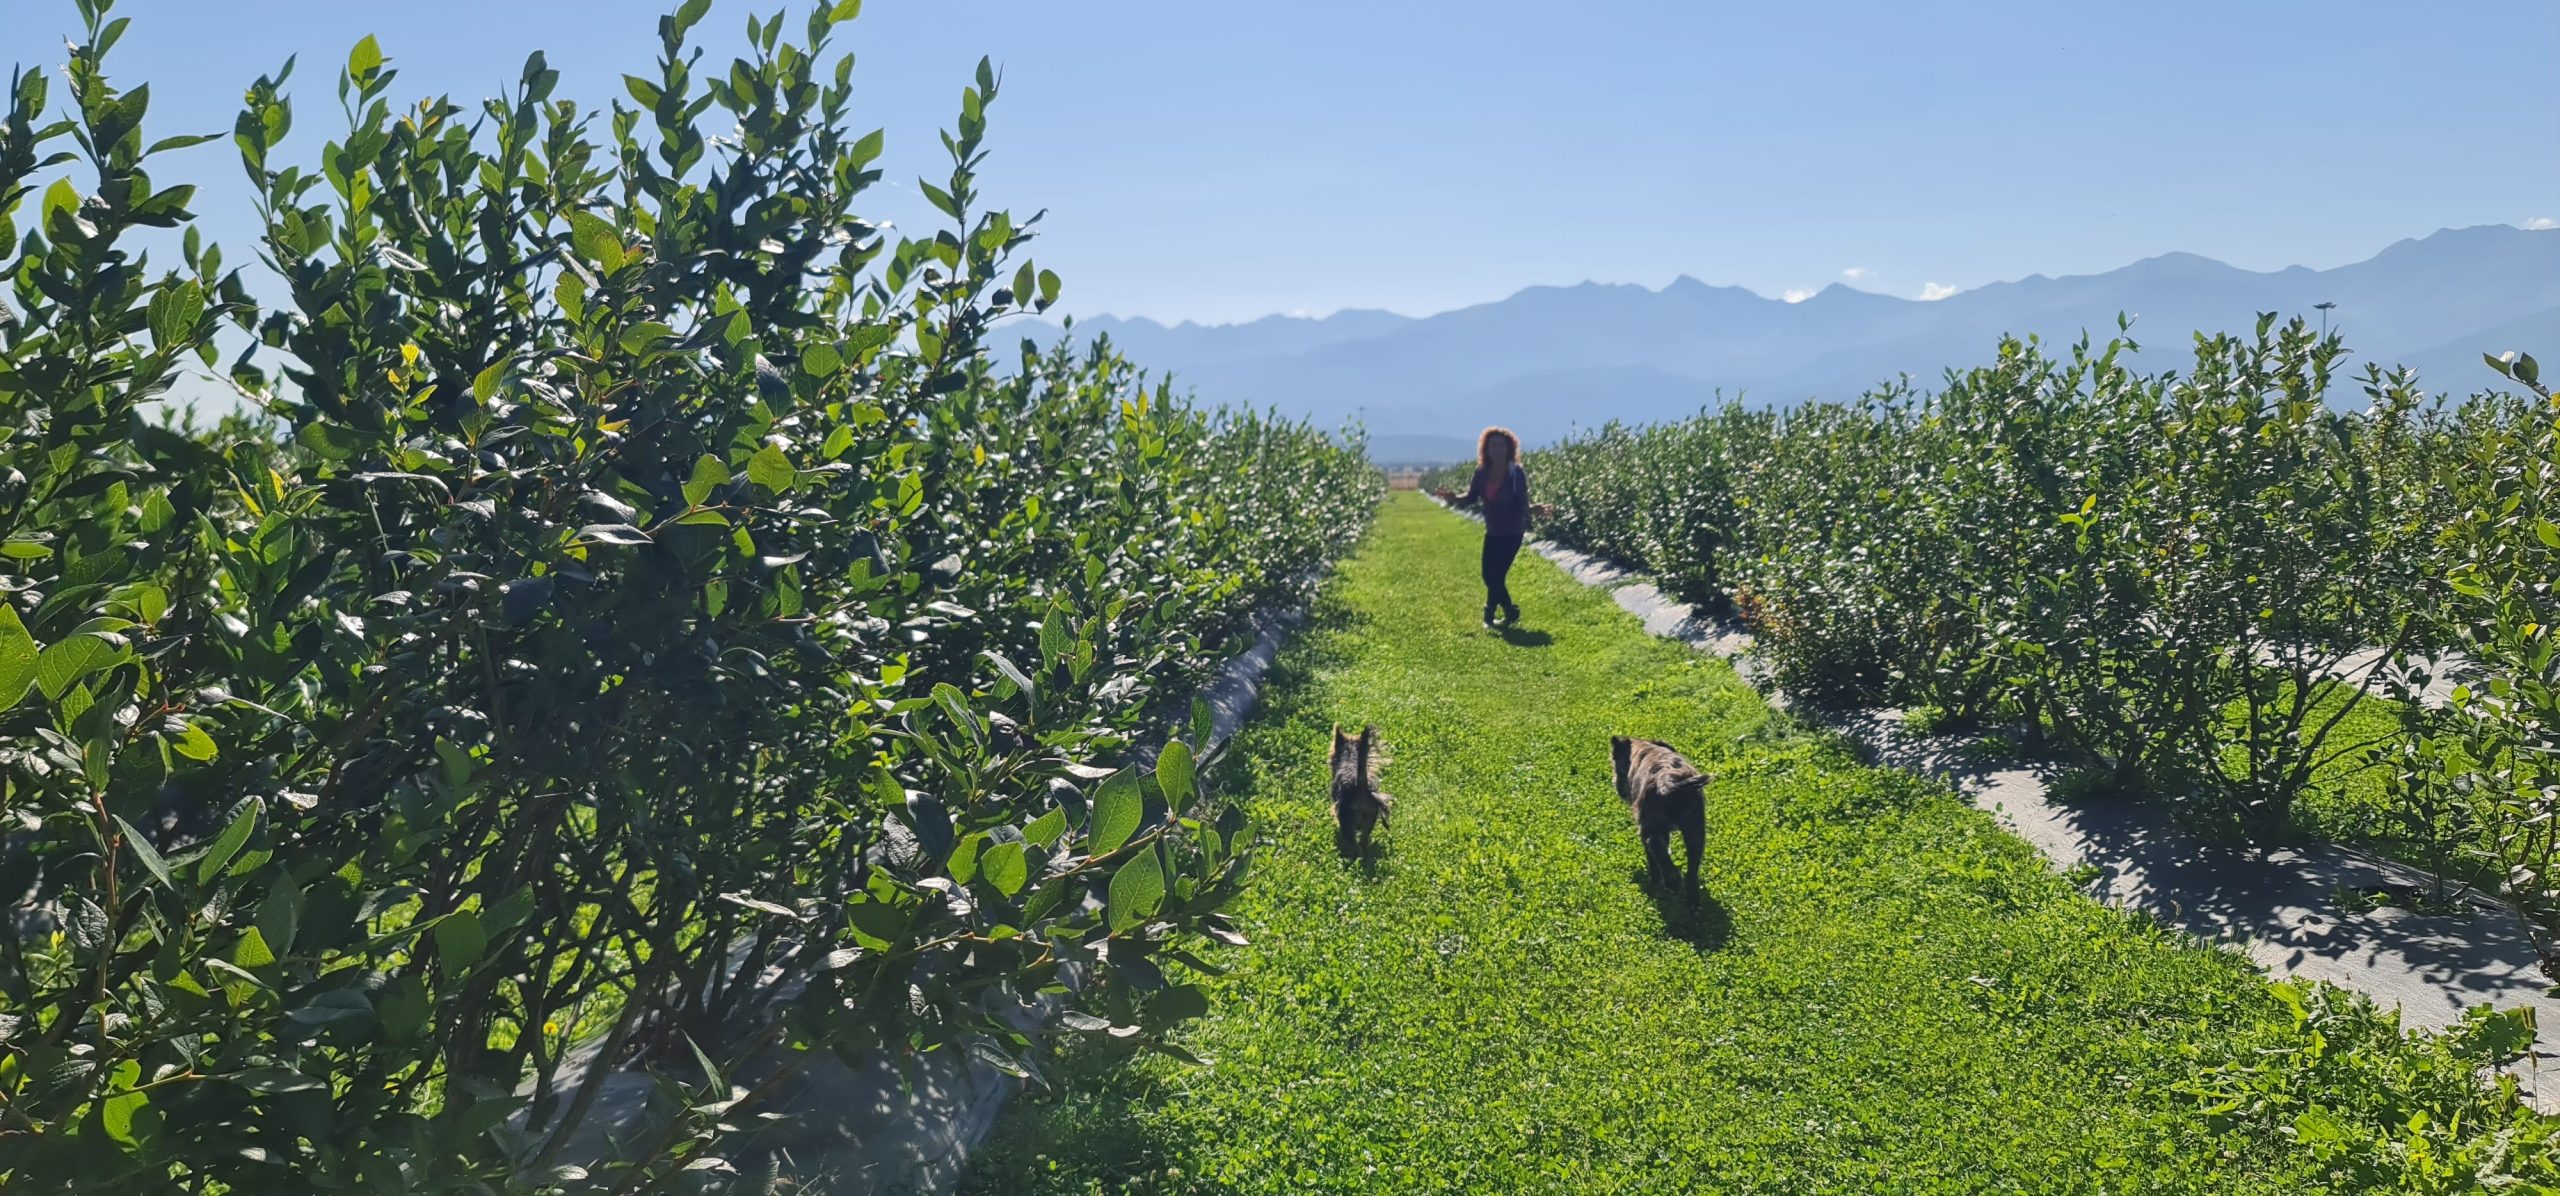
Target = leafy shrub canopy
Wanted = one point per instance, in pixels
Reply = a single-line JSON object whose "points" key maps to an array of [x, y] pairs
{"points": [[655, 635]]}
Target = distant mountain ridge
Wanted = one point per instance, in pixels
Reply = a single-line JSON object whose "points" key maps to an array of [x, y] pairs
{"points": [[1549, 358]]}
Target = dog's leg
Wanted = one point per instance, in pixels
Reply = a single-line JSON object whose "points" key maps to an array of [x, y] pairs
{"points": [[1657, 856]]}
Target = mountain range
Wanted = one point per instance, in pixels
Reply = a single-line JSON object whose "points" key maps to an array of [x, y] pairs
{"points": [[1550, 358]]}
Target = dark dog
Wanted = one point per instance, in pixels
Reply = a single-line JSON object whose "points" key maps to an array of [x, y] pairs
{"points": [[1665, 793], [1358, 806]]}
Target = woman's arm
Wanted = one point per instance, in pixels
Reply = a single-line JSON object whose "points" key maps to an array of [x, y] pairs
{"points": [[1474, 494]]}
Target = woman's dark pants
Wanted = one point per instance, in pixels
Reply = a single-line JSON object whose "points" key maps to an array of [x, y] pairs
{"points": [[1499, 549]]}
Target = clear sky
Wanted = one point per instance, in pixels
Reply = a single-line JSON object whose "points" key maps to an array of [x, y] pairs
{"points": [[1220, 161]]}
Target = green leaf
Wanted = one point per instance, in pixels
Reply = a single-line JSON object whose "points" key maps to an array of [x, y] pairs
{"points": [[2547, 532], [252, 951], [940, 199], [228, 843], [18, 657], [149, 601], [484, 386], [868, 339], [710, 1071], [877, 924], [1117, 806], [596, 241], [1056, 642], [460, 941], [963, 865], [65, 663], [1137, 891], [145, 852], [332, 1007], [1010, 672], [1046, 829], [955, 706], [334, 442], [510, 911], [174, 312], [772, 470], [121, 1114], [280, 915], [1179, 1003], [821, 361], [1005, 867], [931, 822], [644, 336], [194, 744], [709, 474], [869, 146], [613, 533], [365, 59], [1175, 775], [60, 199]]}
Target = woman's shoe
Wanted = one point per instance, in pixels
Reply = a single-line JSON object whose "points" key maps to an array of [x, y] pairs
{"points": [[1511, 613], [1488, 616]]}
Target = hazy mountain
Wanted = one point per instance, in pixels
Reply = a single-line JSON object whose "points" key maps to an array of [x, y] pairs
{"points": [[1419, 448], [1548, 358], [1187, 344]]}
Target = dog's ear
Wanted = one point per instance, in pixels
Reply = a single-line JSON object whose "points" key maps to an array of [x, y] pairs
{"points": [[1620, 748], [1369, 736]]}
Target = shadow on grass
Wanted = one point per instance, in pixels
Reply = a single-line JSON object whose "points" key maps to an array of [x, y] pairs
{"points": [[1705, 926], [1084, 1123], [1371, 864], [1520, 637]]}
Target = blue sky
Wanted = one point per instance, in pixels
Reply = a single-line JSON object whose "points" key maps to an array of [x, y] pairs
{"points": [[1220, 161]]}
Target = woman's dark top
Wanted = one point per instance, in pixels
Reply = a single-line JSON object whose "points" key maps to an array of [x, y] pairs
{"points": [[1506, 509]]}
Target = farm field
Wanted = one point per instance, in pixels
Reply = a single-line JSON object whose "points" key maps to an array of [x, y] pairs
{"points": [[619, 628], [1882, 992]]}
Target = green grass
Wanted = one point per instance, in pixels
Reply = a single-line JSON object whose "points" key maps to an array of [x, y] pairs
{"points": [[1882, 993]]}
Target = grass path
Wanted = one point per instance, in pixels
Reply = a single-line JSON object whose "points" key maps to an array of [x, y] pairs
{"points": [[1882, 994]]}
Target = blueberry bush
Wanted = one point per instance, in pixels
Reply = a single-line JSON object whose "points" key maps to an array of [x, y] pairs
{"points": [[2228, 584], [642, 625]]}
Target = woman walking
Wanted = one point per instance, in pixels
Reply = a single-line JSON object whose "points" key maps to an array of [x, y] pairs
{"points": [[1501, 487]]}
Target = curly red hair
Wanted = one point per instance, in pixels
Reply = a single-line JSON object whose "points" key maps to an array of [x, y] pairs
{"points": [[1484, 446]]}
